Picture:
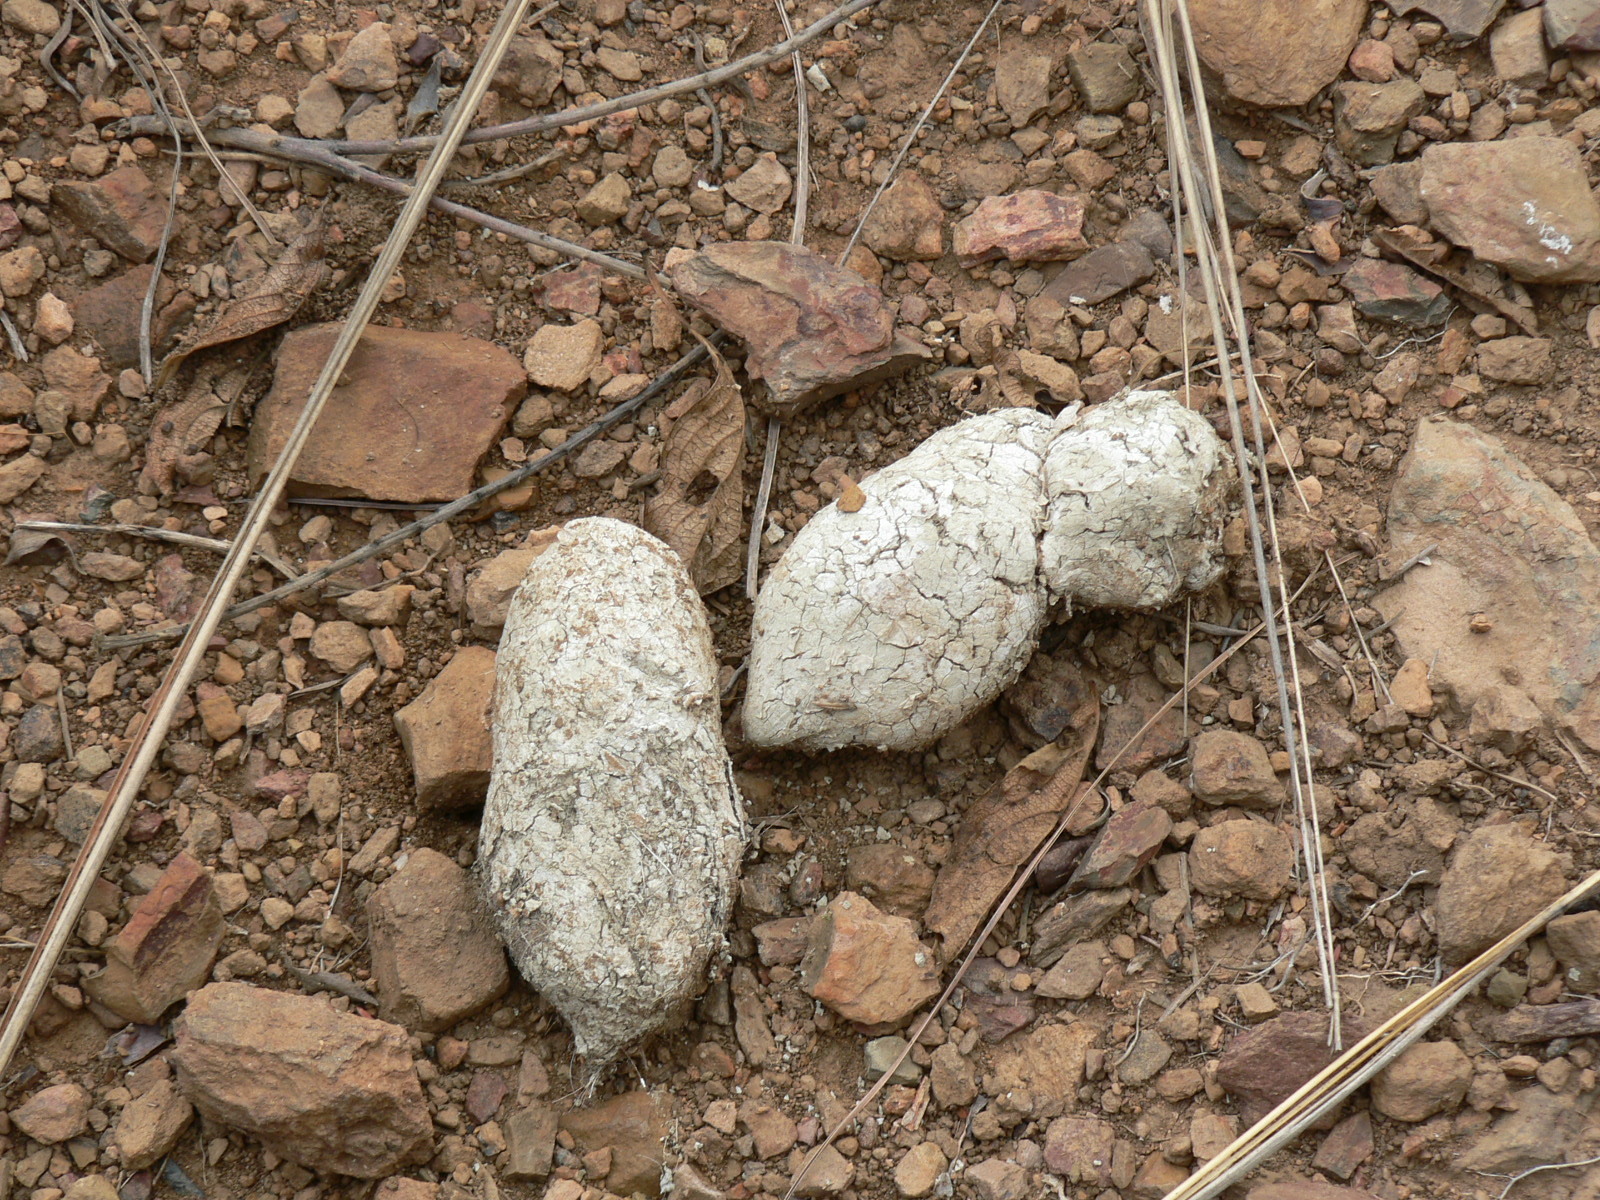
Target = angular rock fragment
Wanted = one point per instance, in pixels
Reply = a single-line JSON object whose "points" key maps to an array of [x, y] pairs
{"points": [[445, 732], [813, 330], [1263, 1067], [1506, 548], [1392, 292], [866, 965], [329, 1090], [1522, 204], [1241, 858], [1572, 24], [122, 210], [1429, 1078], [410, 420], [633, 1127], [166, 949], [1462, 19], [1030, 226], [1268, 52], [1101, 274], [150, 1124], [435, 957], [1124, 847], [908, 223], [1498, 878], [54, 1114], [612, 832]]}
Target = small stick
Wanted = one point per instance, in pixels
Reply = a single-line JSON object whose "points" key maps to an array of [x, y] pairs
{"points": [[471, 500], [156, 534], [1513, 1180], [1416, 558], [573, 116]]}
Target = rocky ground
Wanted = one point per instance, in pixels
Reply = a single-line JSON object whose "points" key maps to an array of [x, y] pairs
{"points": [[1420, 252]]}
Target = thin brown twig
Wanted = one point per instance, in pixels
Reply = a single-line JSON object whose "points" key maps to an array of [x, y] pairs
{"points": [[156, 534], [146, 742], [587, 112], [312, 153]]}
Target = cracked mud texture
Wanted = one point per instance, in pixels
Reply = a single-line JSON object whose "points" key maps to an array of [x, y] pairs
{"points": [[612, 832], [890, 625], [1138, 492]]}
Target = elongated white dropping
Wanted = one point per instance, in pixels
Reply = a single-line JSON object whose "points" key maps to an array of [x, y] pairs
{"points": [[613, 830]]}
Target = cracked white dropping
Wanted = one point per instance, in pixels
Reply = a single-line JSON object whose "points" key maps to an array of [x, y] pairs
{"points": [[891, 625], [612, 831]]}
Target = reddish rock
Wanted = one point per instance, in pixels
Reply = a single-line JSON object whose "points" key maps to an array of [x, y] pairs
{"points": [[1372, 61], [892, 877], [415, 413], [150, 1124], [1523, 204], [1346, 1147], [907, 224], [1572, 24], [1030, 226], [1263, 1067], [1079, 1149], [813, 330], [1428, 1078], [1047, 1062], [166, 949], [576, 290], [1126, 844], [123, 211], [782, 943], [1516, 359], [634, 1127], [1267, 52], [1505, 545], [329, 1090], [866, 965], [79, 378], [1244, 858], [1498, 878], [435, 958], [1228, 767], [445, 732], [485, 1094], [1102, 273], [530, 1142], [53, 1114], [1393, 292], [109, 314]]}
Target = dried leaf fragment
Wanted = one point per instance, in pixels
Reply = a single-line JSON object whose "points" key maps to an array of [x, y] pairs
{"points": [[1004, 828], [179, 432], [699, 509], [268, 300]]}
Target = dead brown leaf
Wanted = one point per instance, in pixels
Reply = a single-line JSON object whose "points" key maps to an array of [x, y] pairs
{"points": [[1001, 831], [270, 299], [699, 509], [179, 432]]}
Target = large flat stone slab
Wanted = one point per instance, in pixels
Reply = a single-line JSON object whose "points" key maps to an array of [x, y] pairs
{"points": [[412, 417], [1513, 562]]}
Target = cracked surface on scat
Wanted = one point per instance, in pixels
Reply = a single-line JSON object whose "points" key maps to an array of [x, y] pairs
{"points": [[1137, 490], [891, 625], [887, 626], [612, 831]]}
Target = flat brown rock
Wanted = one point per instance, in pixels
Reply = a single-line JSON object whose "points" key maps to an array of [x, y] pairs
{"points": [[415, 414], [445, 732], [434, 956], [122, 210], [1506, 546], [1276, 52], [814, 330], [1522, 204], [329, 1090]]}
